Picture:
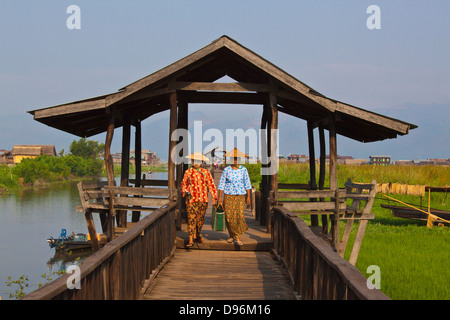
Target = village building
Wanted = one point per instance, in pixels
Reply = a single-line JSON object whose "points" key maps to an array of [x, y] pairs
{"points": [[20, 152], [380, 160]]}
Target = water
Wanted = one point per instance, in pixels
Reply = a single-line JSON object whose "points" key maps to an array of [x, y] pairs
{"points": [[27, 219]]}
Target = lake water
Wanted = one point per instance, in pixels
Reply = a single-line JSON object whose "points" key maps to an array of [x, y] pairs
{"points": [[27, 219]]}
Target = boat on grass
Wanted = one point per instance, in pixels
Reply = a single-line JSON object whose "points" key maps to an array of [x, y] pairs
{"points": [[414, 214]]}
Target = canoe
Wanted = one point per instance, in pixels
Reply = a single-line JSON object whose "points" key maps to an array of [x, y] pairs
{"points": [[411, 213]]}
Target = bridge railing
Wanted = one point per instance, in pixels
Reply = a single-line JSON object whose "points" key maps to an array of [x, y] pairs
{"points": [[124, 267], [316, 270]]}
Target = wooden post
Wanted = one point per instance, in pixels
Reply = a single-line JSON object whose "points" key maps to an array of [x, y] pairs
{"points": [[109, 136], [312, 169], [124, 169], [273, 135], [264, 156], [273, 143], [110, 167], [333, 178], [322, 174], [181, 167], [136, 215], [172, 144]]}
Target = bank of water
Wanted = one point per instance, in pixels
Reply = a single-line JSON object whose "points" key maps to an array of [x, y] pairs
{"points": [[27, 218]]}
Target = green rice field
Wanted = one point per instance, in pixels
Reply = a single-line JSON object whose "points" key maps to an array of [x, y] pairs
{"points": [[413, 259]]}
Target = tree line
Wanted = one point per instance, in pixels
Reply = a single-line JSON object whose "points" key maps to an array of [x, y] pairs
{"points": [[82, 161]]}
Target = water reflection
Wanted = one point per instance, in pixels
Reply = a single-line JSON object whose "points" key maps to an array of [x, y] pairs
{"points": [[27, 219]]}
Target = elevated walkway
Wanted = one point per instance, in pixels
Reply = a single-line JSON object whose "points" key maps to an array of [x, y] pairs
{"points": [[218, 275]]}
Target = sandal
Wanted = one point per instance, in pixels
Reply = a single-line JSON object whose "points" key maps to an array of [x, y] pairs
{"points": [[238, 242], [230, 240], [189, 245]]}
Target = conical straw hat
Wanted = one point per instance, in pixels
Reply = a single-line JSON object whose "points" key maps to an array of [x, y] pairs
{"points": [[197, 156], [235, 153]]}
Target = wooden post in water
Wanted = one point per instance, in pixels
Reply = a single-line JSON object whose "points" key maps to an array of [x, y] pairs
{"points": [[172, 127], [312, 169]]}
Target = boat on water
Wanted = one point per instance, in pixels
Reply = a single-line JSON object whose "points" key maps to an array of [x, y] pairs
{"points": [[73, 242], [411, 213]]}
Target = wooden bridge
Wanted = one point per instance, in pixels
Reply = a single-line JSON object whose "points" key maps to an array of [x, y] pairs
{"points": [[150, 262], [282, 257]]}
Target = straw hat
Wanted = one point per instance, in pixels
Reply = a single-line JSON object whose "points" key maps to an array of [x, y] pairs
{"points": [[235, 153], [197, 156]]}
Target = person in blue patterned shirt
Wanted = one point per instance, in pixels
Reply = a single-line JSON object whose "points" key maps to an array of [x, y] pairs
{"points": [[235, 185]]}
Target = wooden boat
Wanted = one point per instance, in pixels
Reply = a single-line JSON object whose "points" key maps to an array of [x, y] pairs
{"points": [[73, 242], [411, 213]]}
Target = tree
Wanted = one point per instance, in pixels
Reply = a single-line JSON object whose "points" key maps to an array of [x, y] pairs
{"points": [[86, 148]]}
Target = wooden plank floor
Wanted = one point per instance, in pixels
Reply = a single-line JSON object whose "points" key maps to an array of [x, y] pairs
{"points": [[221, 275]]}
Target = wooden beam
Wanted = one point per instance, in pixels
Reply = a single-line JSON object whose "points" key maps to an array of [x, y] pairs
{"points": [[224, 97], [217, 86]]}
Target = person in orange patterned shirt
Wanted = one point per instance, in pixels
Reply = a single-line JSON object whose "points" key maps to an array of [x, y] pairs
{"points": [[196, 183]]}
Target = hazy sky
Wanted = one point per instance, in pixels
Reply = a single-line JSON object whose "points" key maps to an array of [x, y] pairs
{"points": [[325, 44]]}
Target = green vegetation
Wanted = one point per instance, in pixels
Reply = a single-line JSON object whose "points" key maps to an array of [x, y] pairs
{"points": [[413, 259], [83, 162]]}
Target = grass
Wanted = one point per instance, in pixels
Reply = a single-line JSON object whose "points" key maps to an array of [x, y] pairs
{"points": [[413, 259]]}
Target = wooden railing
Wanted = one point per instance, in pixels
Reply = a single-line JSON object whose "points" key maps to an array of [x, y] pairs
{"points": [[316, 270], [124, 267]]}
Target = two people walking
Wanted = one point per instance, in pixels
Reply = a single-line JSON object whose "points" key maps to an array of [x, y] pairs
{"points": [[234, 193]]}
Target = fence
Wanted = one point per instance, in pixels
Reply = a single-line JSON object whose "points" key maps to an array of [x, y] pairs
{"points": [[124, 267]]}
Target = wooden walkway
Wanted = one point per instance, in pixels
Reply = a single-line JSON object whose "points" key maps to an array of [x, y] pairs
{"points": [[217, 270], [221, 275]]}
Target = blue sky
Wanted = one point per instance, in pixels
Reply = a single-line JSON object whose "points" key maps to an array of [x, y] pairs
{"points": [[401, 68]]}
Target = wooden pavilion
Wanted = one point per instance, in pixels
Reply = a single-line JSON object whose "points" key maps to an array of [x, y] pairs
{"points": [[192, 80]]}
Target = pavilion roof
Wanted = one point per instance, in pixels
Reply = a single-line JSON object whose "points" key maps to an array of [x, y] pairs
{"points": [[193, 78]]}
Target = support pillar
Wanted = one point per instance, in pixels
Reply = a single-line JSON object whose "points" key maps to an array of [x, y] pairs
{"points": [[333, 179], [264, 160], [322, 174], [172, 144], [312, 169], [136, 215], [109, 136], [272, 151], [183, 166], [109, 219]]}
